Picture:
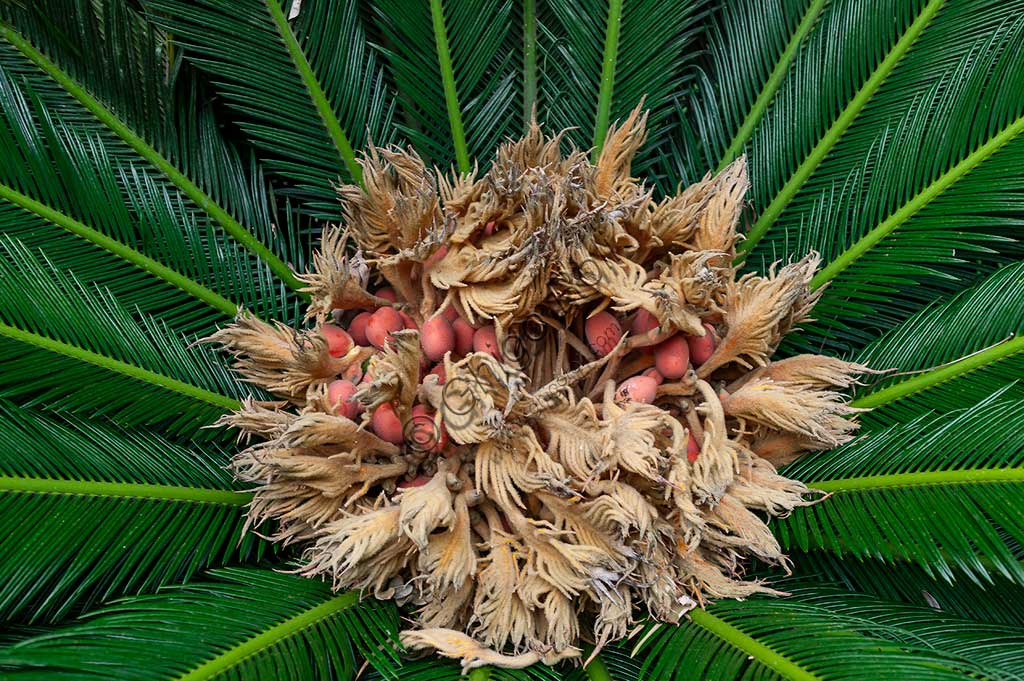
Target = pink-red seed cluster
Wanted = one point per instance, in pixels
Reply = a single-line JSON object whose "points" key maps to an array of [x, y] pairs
{"points": [[448, 332]]}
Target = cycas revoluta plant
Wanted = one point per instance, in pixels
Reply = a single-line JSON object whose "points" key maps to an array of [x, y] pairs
{"points": [[166, 164]]}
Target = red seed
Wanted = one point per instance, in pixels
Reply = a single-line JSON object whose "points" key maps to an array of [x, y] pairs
{"points": [[655, 374], [386, 424], [463, 336], [603, 333], [338, 340], [425, 434], [672, 357], [339, 397], [408, 321], [387, 293], [637, 389], [486, 340], [382, 324], [353, 372], [450, 313], [440, 373], [692, 449], [643, 321], [357, 328], [489, 228], [437, 337], [701, 347], [436, 257]]}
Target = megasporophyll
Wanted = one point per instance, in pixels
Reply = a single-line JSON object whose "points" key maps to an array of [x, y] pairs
{"points": [[537, 404]]}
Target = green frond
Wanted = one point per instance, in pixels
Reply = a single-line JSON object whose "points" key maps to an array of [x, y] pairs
{"points": [[951, 354], [75, 348], [939, 491], [824, 633], [750, 45], [915, 195], [307, 92], [613, 663], [78, 199], [73, 57], [91, 512], [1001, 601], [990, 372], [601, 58], [471, 93], [846, 81], [243, 624]]}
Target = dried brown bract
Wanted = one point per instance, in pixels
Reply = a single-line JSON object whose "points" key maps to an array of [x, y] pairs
{"points": [[561, 414]]}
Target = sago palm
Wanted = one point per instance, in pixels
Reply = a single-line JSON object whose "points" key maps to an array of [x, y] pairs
{"points": [[170, 166]]}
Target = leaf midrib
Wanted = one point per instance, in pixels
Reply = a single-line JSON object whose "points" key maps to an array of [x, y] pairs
{"points": [[608, 61], [451, 96], [918, 202], [964, 476], [529, 61], [121, 250], [122, 490], [934, 377], [752, 647], [150, 154], [838, 128], [316, 92], [118, 366], [771, 85], [272, 636]]}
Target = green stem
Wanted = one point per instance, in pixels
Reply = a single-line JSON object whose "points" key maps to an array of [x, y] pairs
{"points": [[934, 377], [529, 61], [451, 96], [189, 188], [922, 199], [316, 93], [197, 495], [771, 86], [839, 127], [122, 251], [755, 649], [960, 477], [232, 657], [479, 674], [120, 367], [597, 671], [611, 55]]}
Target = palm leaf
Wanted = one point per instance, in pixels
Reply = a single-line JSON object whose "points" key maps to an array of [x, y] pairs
{"points": [[92, 512], [603, 58], [306, 93], [955, 353], [81, 202], [244, 623], [938, 491], [1000, 601], [137, 371], [872, 145], [454, 77], [827, 633], [56, 55]]}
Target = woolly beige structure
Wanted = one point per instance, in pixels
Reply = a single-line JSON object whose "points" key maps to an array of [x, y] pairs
{"points": [[557, 510]]}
